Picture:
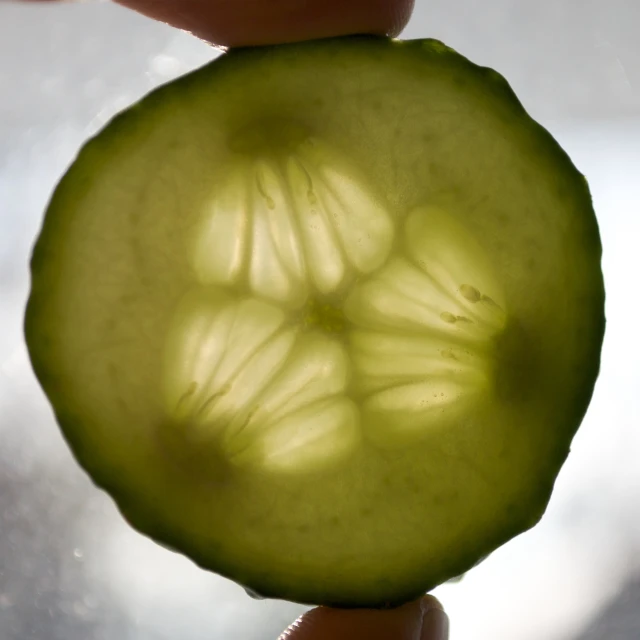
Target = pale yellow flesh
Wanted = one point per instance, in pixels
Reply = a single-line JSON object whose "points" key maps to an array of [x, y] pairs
{"points": [[316, 320]]}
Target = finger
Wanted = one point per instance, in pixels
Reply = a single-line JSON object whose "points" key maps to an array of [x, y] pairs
{"points": [[253, 22], [420, 620]]}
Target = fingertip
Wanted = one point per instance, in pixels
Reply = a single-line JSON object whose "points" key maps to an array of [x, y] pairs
{"points": [[401, 14], [435, 622], [430, 602], [422, 619], [258, 22]]}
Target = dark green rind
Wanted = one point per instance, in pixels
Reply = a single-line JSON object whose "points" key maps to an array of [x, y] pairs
{"points": [[140, 118]]}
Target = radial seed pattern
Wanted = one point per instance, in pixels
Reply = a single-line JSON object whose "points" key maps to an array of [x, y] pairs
{"points": [[238, 376], [422, 347], [263, 366], [290, 226]]}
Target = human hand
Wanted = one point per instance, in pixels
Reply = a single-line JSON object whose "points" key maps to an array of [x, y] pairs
{"points": [[255, 22], [423, 619], [233, 23]]}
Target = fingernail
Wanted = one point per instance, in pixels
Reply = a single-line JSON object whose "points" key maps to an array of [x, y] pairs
{"points": [[435, 622]]}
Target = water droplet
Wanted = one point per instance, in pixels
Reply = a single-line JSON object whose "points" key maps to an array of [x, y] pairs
{"points": [[166, 66], [448, 317], [78, 554]]}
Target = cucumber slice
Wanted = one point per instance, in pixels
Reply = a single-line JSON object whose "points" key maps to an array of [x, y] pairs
{"points": [[324, 317]]}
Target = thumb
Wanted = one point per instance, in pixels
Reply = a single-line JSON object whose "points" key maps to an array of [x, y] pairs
{"points": [[423, 619]]}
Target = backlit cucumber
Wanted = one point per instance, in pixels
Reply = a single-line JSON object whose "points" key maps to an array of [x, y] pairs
{"points": [[324, 317]]}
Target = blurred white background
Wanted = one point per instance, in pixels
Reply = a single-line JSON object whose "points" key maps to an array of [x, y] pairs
{"points": [[71, 569]]}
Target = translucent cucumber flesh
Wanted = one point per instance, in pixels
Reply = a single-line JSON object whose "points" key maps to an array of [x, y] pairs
{"points": [[284, 226], [332, 342], [289, 388]]}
